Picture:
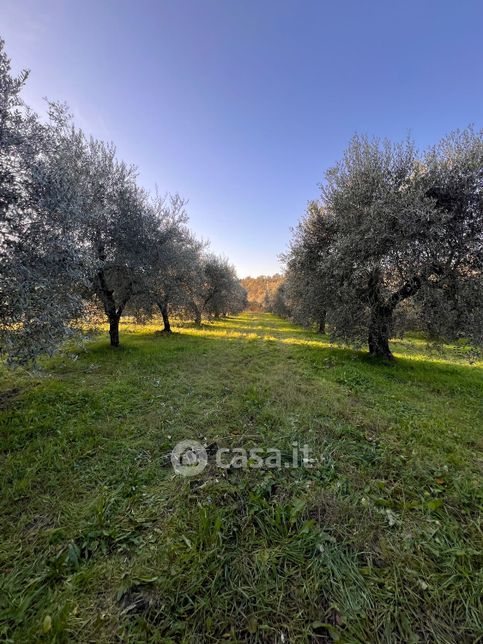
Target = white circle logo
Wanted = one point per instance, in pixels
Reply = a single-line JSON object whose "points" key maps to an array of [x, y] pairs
{"points": [[189, 458]]}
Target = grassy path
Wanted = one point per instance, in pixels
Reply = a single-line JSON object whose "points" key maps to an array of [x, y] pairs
{"points": [[379, 542]]}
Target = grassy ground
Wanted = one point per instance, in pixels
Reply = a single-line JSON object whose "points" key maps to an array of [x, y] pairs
{"points": [[379, 542]]}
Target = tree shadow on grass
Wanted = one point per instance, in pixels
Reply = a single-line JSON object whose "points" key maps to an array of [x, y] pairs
{"points": [[313, 347], [317, 349]]}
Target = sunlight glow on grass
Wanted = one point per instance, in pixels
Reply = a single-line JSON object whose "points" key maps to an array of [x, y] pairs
{"points": [[382, 531], [259, 326]]}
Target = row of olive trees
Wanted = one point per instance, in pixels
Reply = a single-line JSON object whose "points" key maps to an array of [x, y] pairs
{"points": [[395, 240], [76, 228]]}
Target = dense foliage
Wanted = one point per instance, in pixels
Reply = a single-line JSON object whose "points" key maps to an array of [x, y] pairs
{"points": [[396, 238], [76, 229], [261, 290]]}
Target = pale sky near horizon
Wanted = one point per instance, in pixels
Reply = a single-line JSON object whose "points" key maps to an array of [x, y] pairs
{"points": [[241, 106]]}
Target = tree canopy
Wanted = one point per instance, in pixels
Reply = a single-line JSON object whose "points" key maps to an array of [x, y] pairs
{"points": [[77, 230], [393, 227]]}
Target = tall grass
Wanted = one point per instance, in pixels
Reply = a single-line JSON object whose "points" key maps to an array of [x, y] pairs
{"points": [[380, 542]]}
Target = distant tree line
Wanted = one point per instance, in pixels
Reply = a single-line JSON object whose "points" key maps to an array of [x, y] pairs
{"points": [[261, 290], [394, 242], [77, 232]]}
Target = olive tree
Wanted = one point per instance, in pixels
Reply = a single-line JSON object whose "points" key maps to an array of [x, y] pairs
{"points": [[75, 228], [41, 263], [279, 304], [221, 291], [238, 300], [213, 289], [306, 292], [173, 262], [450, 297], [114, 222], [400, 227]]}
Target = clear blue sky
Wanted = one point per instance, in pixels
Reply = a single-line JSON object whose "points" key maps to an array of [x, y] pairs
{"points": [[241, 105]]}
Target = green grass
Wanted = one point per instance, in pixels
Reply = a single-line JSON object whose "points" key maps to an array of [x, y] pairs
{"points": [[379, 542]]}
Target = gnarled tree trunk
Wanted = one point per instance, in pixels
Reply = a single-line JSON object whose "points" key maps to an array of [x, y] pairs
{"points": [[113, 313], [164, 308], [114, 329], [380, 324], [382, 310], [197, 312], [321, 324], [379, 332], [106, 294]]}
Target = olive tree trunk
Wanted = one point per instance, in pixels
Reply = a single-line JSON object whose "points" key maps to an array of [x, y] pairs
{"points": [[380, 323], [321, 324], [114, 329], [382, 310], [379, 333], [197, 315], [164, 308], [106, 295]]}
